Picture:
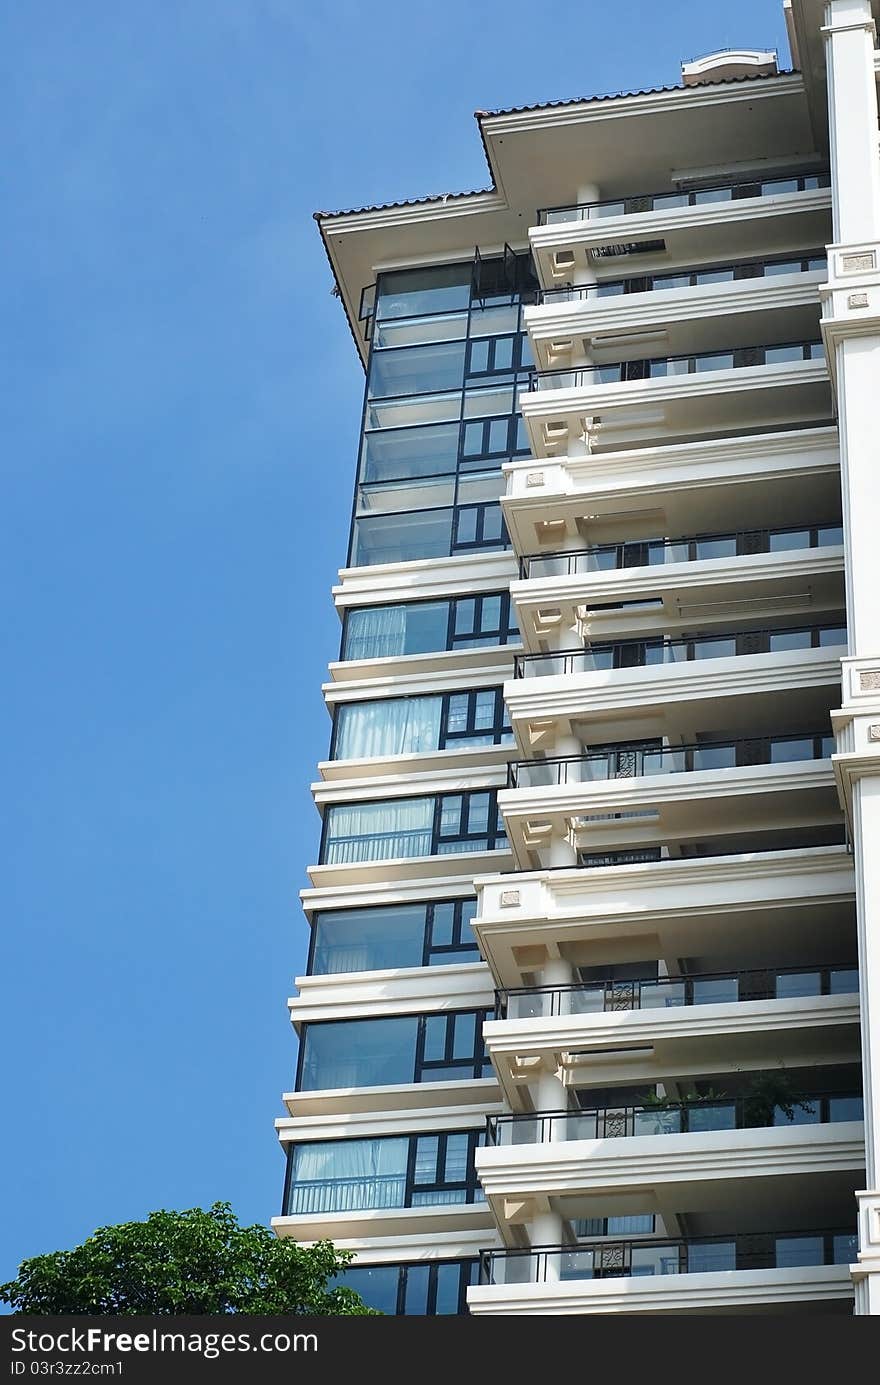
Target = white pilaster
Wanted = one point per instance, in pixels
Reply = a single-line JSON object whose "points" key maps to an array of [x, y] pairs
{"points": [[851, 327]]}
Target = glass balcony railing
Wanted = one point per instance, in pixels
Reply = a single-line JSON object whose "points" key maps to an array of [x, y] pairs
{"points": [[635, 761], [693, 197], [597, 658], [662, 367], [687, 278], [670, 992], [698, 1116], [606, 557], [615, 1259]]}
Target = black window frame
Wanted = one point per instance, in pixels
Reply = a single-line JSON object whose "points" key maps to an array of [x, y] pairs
{"points": [[478, 1061], [468, 1274], [508, 631], [495, 837], [500, 730], [463, 937], [469, 1185]]}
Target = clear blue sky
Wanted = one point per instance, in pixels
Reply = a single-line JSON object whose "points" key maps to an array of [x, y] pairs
{"points": [[173, 510]]}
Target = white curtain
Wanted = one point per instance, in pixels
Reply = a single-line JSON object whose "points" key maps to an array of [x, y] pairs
{"points": [[376, 633], [392, 726], [348, 1175], [379, 831]]}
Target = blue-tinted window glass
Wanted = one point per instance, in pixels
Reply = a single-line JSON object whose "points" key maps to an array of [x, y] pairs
{"points": [[384, 632], [441, 933], [435, 289], [417, 369], [348, 1175], [416, 1296], [799, 1250], [401, 452], [463, 1036], [388, 726], [359, 1053], [401, 538], [348, 940], [425, 1167], [448, 1285], [435, 1038], [376, 1284], [378, 831]]}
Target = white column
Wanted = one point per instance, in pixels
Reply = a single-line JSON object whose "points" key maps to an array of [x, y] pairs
{"points": [[851, 325], [561, 851]]}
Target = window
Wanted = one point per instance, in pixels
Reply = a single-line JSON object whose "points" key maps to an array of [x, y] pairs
{"points": [[407, 827], [410, 370], [419, 725], [387, 1052], [435, 289], [401, 935], [422, 627], [364, 1175], [423, 1290]]}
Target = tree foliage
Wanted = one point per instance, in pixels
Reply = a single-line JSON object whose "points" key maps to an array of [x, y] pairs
{"points": [[184, 1262]]}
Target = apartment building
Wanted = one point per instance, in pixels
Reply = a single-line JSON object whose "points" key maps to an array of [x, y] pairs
{"points": [[593, 988]]}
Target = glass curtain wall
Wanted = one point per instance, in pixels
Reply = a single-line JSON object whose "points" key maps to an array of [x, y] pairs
{"points": [[448, 356]]}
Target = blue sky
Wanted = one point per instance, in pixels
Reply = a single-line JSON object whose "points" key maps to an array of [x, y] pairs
{"points": [[173, 511]]}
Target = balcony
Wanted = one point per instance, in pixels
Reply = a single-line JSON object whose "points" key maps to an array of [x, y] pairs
{"points": [[686, 310], [663, 586], [787, 476], [752, 910], [781, 1272], [695, 1117], [651, 1030], [629, 403], [675, 688], [735, 220], [631, 797], [629, 1160]]}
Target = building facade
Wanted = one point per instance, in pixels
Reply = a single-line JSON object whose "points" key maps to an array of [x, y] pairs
{"points": [[591, 1019]]}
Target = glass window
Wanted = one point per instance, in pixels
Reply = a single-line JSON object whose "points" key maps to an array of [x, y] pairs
{"points": [[434, 289], [799, 1250], [347, 1176], [401, 538], [388, 726], [383, 632], [796, 985], [379, 831], [403, 452], [376, 1284], [775, 355], [370, 939], [425, 369], [358, 1053]]}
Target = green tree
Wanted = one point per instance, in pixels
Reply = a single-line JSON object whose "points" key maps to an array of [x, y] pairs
{"points": [[185, 1262]]}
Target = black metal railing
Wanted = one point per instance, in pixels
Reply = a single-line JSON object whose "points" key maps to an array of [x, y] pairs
{"points": [[635, 761], [696, 1116], [615, 1259], [731, 543], [732, 191], [733, 271], [660, 367], [664, 992], [648, 652]]}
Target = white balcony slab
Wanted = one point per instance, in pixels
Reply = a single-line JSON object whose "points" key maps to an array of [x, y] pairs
{"points": [[789, 477], [428, 767], [399, 1097], [633, 412], [356, 1125], [363, 878], [669, 807], [561, 608], [649, 1045], [423, 580], [680, 907], [402, 991], [652, 1164], [811, 1287], [389, 892], [415, 673], [672, 699], [385, 1222], [691, 235], [695, 318], [379, 1247]]}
